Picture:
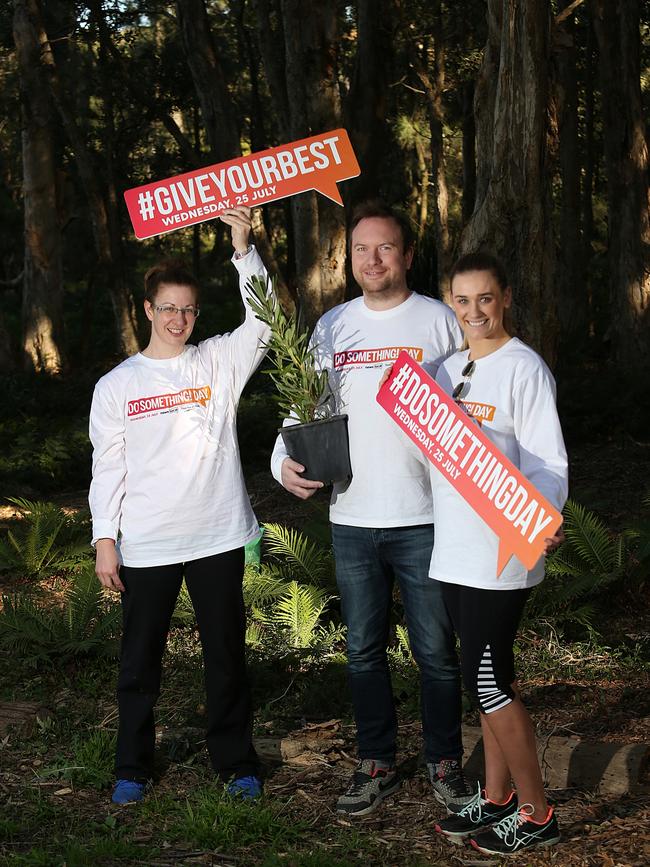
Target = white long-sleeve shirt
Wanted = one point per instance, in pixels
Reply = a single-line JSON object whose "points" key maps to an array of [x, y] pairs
{"points": [[390, 484], [512, 394], [167, 477]]}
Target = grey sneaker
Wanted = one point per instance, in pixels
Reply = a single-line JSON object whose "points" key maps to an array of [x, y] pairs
{"points": [[449, 783], [371, 782]]}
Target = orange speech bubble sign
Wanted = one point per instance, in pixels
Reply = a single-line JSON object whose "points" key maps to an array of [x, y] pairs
{"points": [[316, 163], [492, 485]]}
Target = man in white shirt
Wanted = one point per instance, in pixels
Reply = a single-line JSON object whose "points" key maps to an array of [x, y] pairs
{"points": [[382, 520]]}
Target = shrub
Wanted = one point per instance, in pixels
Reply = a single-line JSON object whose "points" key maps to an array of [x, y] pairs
{"points": [[287, 600], [583, 568], [45, 541], [85, 625]]}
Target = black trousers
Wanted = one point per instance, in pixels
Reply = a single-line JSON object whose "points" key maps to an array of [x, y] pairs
{"points": [[215, 587]]}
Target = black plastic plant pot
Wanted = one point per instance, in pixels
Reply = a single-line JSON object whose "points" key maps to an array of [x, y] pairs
{"points": [[321, 447]]}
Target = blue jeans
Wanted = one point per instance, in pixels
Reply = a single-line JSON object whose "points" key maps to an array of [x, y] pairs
{"points": [[368, 561]]}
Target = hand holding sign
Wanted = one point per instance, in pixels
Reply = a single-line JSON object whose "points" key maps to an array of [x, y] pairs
{"points": [[315, 163], [492, 485]]}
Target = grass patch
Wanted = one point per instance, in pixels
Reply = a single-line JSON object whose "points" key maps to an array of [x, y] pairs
{"points": [[211, 819], [93, 851]]}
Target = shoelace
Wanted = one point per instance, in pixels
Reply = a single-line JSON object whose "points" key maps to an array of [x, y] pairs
{"points": [[357, 784], [506, 829], [361, 778], [474, 808]]}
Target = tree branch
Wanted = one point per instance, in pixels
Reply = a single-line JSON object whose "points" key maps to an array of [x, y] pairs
{"points": [[564, 14]]}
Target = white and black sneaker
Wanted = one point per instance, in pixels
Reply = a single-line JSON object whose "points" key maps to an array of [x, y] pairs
{"points": [[470, 819], [518, 831], [449, 784], [371, 782]]}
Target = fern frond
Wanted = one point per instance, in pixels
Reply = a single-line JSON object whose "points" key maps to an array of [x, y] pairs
{"points": [[297, 613], [309, 560], [403, 640], [263, 585], [589, 537], [564, 562], [84, 625], [45, 541], [254, 634]]}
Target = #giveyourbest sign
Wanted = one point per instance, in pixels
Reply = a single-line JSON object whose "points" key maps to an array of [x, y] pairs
{"points": [[492, 485], [316, 163]]}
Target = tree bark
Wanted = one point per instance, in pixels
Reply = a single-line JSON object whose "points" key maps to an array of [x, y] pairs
{"points": [[616, 23], [217, 109], [219, 115], [314, 107], [270, 39], [102, 209], [365, 107], [589, 149], [571, 277], [42, 308], [469, 151], [434, 85], [512, 215]]}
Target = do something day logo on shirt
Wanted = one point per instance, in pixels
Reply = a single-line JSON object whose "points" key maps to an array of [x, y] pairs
{"points": [[162, 402]]}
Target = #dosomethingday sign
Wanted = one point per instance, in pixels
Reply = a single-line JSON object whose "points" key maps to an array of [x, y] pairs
{"points": [[315, 163], [492, 485]]}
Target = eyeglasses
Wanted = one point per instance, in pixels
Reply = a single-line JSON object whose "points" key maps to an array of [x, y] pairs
{"points": [[172, 310], [466, 372]]}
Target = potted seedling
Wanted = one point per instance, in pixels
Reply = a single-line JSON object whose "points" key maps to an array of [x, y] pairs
{"points": [[319, 439]]}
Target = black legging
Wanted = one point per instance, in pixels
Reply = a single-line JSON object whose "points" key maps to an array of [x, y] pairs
{"points": [[486, 623], [215, 587]]}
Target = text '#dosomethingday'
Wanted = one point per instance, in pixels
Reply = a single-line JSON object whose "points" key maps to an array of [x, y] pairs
{"points": [[486, 478]]}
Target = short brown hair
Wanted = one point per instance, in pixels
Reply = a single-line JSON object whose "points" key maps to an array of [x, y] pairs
{"points": [[378, 208], [168, 271]]}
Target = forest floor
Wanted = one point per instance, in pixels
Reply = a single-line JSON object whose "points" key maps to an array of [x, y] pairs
{"points": [[596, 690]]}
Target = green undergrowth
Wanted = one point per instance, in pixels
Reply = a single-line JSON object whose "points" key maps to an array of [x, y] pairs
{"points": [[77, 831], [585, 646]]}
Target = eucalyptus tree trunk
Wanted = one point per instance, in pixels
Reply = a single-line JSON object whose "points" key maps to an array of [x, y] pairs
{"points": [[434, 85], [42, 307], [102, 205], [217, 108], [512, 213], [469, 151], [571, 274], [310, 34], [365, 105], [589, 147], [7, 355], [616, 23]]}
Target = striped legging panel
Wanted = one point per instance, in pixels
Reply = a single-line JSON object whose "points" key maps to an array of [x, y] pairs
{"points": [[489, 695]]}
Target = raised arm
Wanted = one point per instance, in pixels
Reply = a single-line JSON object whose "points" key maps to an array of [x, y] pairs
{"points": [[246, 345]]}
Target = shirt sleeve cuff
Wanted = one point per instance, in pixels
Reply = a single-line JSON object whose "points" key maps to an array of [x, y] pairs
{"points": [[103, 529]]}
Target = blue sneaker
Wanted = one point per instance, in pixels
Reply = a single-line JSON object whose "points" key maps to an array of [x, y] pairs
{"points": [[247, 788], [128, 792]]}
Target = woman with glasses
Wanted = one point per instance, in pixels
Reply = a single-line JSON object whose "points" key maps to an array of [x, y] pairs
{"points": [[168, 501], [510, 392]]}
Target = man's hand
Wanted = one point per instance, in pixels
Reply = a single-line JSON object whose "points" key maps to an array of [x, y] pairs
{"points": [[239, 220], [294, 482], [385, 376], [554, 542], [107, 566]]}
